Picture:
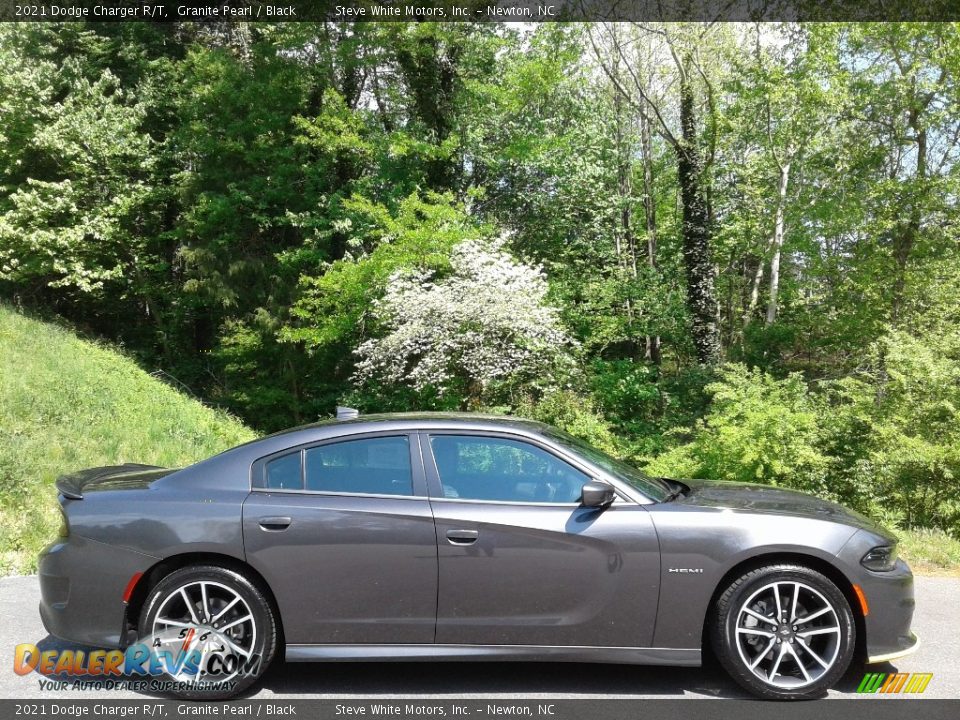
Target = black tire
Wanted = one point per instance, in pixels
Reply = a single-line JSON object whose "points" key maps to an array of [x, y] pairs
{"points": [[257, 636], [738, 644]]}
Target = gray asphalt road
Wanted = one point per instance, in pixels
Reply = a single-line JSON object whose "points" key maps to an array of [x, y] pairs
{"points": [[938, 602]]}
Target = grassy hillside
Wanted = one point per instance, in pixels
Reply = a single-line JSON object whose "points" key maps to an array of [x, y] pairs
{"points": [[67, 404]]}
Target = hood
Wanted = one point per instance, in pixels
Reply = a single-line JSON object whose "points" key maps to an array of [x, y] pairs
{"points": [[131, 476], [753, 497]]}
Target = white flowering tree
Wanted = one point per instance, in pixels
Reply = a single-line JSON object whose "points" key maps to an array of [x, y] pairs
{"points": [[485, 325]]}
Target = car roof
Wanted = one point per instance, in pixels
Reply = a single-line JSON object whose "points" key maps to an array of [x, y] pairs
{"points": [[433, 420], [222, 471]]}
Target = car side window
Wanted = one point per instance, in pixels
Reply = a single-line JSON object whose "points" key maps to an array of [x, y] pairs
{"points": [[283, 473], [377, 466], [492, 468]]}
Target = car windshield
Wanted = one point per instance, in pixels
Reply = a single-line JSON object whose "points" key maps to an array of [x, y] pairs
{"points": [[653, 488]]}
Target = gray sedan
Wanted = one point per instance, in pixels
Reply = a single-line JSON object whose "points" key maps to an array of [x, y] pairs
{"points": [[463, 537]]}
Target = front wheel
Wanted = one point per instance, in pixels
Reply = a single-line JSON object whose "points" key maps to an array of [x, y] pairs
{"points": [[784, 632], [210, 630]]}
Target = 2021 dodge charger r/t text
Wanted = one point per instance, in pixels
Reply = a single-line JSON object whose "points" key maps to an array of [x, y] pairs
{"points": [[464, 537]]}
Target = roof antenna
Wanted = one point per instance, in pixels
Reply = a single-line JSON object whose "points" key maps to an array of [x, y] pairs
{"points": [[345, 413]]}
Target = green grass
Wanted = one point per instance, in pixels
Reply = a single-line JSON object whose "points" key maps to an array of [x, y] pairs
{"points": [[68, 404], [930, 552]]}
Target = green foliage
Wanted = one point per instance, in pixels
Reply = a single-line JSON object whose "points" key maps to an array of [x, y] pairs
{"points": [[884, 441], [628, 389], [229, 203], [67, 404], [574, 414], [758, 429], [898, 421], [70, 224], [910, 444], [334, 302]]}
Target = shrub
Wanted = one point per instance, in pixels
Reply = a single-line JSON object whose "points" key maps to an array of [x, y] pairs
{"points": [[758, 429], [885, 442], [572, 413], [902, 420]]}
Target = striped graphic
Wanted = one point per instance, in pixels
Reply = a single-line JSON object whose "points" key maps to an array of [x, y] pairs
{"points": [[894, 683]]}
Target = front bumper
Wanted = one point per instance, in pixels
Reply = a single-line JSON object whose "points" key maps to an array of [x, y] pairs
{"points": [[889, 599], [81, 589], [911, 648], [891, 604]]}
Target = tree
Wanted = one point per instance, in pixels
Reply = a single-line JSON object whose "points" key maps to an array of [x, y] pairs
{"points": [[781, 82], [905, 96], [683, 48], [475, 331], [71, 220]]}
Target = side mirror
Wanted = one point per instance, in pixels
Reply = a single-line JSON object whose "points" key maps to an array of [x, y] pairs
{"points": [[597, 494]]}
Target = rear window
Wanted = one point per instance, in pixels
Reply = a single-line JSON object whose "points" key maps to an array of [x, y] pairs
{"points": [[377, 466], [368, 466], [283, 473]]}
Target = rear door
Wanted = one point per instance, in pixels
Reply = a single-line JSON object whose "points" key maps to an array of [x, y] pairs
{"points": [[343, 533], [521, 562]]}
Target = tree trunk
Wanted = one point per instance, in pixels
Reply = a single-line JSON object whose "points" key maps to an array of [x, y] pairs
{"points": [[754, 292], [905, 238], [626, 242], [777, 243], [701, 298], [650, 213], [431, 74], [385, 120], [623, 182]]}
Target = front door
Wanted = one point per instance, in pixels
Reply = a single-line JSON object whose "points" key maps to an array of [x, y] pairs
{"points": [[343, 534], [521, 562]]}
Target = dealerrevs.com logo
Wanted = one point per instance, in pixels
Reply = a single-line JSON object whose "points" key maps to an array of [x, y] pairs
{"points": [[889, 683], [186, 660]]}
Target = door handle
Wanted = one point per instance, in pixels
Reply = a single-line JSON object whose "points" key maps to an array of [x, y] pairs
{"points": [[275, 523], [462, 537]]}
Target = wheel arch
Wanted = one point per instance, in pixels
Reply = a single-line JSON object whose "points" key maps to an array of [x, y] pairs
{"points": [[164, 567], [813, 562]]}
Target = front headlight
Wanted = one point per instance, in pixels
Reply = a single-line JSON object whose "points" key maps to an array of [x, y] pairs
{"points": [[880, 559]]}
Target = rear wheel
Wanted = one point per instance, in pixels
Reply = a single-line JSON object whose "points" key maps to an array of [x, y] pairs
{"points": [[211, 629], [784, 632]]}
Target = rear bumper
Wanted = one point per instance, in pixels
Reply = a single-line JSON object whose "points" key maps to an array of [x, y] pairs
{"points": [[81, 589]]}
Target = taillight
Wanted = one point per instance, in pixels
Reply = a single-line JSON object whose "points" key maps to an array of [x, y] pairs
{"points": [[64, 530]]}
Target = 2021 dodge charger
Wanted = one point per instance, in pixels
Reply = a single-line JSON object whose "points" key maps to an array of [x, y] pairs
{"points": [[465, 537]]}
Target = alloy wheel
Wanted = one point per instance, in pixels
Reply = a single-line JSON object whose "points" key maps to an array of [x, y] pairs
{"points": [[212, 619], [788, 634]]}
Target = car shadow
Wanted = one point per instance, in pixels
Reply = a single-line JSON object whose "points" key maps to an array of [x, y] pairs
{"points": [[410, 679], [851, 680], [492, 678]]}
